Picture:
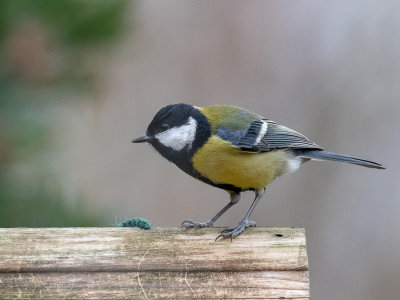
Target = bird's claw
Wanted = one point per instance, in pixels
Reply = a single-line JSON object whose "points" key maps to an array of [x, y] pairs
{"points": [[191, 224], [234, 231]]}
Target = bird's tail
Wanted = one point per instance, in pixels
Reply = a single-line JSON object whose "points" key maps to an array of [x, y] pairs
{"points": [[325, 155]]}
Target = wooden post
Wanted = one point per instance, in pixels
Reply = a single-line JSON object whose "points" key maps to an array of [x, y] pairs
{"points": [[128, 263]]}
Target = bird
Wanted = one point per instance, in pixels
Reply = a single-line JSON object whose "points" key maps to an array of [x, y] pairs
{"points": [[233, 149]]}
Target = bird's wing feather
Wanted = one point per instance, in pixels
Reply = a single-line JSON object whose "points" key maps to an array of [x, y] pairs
{"points": [[278, 137], [265, 135], [252, 133]]}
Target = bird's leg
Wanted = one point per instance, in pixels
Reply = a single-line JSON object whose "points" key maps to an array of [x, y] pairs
{"points": [[210, 223], [234, 231]]}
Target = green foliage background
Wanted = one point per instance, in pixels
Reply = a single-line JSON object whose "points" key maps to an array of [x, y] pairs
{"points": [[46, 49]]}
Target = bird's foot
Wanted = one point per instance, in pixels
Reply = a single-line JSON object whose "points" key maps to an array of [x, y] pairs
{"points": [[234, 231], [191, 224]]}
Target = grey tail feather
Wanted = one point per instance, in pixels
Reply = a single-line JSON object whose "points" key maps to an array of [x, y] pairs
{"points": [[325, 155]]}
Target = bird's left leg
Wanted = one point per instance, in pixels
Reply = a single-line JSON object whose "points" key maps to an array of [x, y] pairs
{"points": [[235, 197], [234, 231]]}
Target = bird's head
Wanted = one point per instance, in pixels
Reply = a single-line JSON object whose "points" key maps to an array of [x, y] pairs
{"points": [[176, 128]]}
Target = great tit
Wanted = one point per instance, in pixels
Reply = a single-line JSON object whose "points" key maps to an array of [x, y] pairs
{"points": [[233, 149]]}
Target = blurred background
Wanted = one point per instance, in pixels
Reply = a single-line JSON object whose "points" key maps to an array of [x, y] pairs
{"points": [[80, 79]]}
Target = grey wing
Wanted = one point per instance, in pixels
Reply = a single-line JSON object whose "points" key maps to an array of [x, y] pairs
{"points": [[266, 135]]}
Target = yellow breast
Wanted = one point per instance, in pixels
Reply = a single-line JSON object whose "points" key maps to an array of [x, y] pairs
{"points": [[224, 163]]}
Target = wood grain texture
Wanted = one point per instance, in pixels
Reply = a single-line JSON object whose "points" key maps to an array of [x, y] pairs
{"points": [[120, 263]]}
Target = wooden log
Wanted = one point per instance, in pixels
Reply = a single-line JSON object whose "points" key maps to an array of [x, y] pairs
{"points": [[121, 263]]}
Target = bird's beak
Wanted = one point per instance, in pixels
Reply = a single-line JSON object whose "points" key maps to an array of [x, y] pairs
{"points": [[142, 139]]}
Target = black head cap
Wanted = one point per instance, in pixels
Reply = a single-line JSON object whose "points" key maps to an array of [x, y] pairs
{"points": [[170, 116]]}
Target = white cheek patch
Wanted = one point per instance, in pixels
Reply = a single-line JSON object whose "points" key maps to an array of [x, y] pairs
{"points": [[263, 131], [293, 164], [178, 137]]}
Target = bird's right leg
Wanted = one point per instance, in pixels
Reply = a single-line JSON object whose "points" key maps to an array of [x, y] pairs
{"points": [[234, 231], [235, 197]]}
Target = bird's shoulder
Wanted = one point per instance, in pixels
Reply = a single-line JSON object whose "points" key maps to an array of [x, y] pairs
{"points": [[228, 117]]}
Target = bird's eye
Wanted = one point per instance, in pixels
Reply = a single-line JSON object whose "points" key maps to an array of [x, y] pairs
{"points": [[165, 126]]}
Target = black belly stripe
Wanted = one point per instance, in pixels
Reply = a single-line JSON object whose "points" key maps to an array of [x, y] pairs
{"points": [[227, 187]]}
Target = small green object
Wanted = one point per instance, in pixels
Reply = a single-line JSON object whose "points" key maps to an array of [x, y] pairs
{"points": [[136, 222]]}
